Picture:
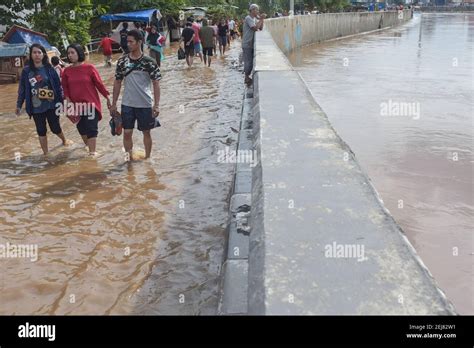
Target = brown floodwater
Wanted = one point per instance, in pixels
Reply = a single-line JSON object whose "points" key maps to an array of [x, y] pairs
{"points": [[118, 237], [403, 100]]}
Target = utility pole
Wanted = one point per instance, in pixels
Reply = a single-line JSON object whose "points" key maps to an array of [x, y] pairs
{"points": [[292, 6]]}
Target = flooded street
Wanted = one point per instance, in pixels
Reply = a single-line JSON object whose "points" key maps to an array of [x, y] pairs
{"points": [[118, 237], [420, 160]]}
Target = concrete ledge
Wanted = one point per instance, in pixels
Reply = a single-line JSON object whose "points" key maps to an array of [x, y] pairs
{"points": [[309, 198], [247, 114], [245, 139], [268, 56], [234, 300], [235, 271], [321, 241], [238, 239], [239, 200], [243, 181]]}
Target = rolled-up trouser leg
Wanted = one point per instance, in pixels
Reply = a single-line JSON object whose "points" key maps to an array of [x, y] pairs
{"points": [[248, 60]]}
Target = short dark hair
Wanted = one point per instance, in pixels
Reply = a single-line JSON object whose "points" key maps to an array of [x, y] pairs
{"points": [[55, 60], [135, 34], [189, 24], [125, 25], [80, 51]]}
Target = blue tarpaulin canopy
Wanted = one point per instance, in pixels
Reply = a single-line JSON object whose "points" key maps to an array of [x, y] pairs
{"points": [[21, 35], [136, 16]]}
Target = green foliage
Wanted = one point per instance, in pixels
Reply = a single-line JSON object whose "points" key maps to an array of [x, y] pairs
{"points": [[220, 11], [71, 17], [165, 6], [272, 6], [10, 13], [216, 8]]}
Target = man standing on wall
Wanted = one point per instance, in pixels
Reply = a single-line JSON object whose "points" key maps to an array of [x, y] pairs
{"points": [[252, 23]]}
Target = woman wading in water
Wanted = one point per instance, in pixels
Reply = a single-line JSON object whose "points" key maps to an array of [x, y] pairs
{"points": [[40, 90]]}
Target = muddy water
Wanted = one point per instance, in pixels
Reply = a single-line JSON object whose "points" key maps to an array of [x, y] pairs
{"points": [[420, 160], [117, 237]]}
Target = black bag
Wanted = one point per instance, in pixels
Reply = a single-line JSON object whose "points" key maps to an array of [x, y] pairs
{"points": [[115, 124], [181, 54]]}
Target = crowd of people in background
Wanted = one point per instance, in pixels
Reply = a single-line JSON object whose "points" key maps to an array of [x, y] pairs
{"points": [[201, 37], [224, 30]]}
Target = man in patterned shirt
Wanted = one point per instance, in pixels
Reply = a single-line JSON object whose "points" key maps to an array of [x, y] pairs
{"points": [[139, 72]]}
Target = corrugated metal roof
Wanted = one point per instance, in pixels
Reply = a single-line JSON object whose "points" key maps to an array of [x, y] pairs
{"points": [[13, 50]]}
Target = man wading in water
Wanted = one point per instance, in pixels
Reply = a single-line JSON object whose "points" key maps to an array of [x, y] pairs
{"points": [[138, 71]]}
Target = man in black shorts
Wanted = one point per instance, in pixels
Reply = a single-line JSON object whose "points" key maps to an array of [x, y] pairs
{"points": [[206, 34], [139, 103], [187, 36]]}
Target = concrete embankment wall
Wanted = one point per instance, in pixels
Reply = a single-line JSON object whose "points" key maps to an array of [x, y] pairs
{"points": [[309, 233], [291, 33]]}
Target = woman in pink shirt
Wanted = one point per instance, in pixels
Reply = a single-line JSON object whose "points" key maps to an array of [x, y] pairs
{"points": [[80, 82]]}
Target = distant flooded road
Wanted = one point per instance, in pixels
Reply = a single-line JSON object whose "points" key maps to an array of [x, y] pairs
{"points": [[403, 100], [117, 237]]}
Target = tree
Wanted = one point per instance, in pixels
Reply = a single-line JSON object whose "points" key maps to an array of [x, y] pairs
{"points": [[68, 17], [165, 6], [12, 11], [218, 12], [270, 6]]}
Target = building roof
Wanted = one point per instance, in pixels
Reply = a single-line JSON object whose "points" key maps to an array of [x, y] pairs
{"points": [[18, 34], [13, 50]]}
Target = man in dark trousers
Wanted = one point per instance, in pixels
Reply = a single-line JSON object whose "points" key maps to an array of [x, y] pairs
{"points": [[123, 37]]}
